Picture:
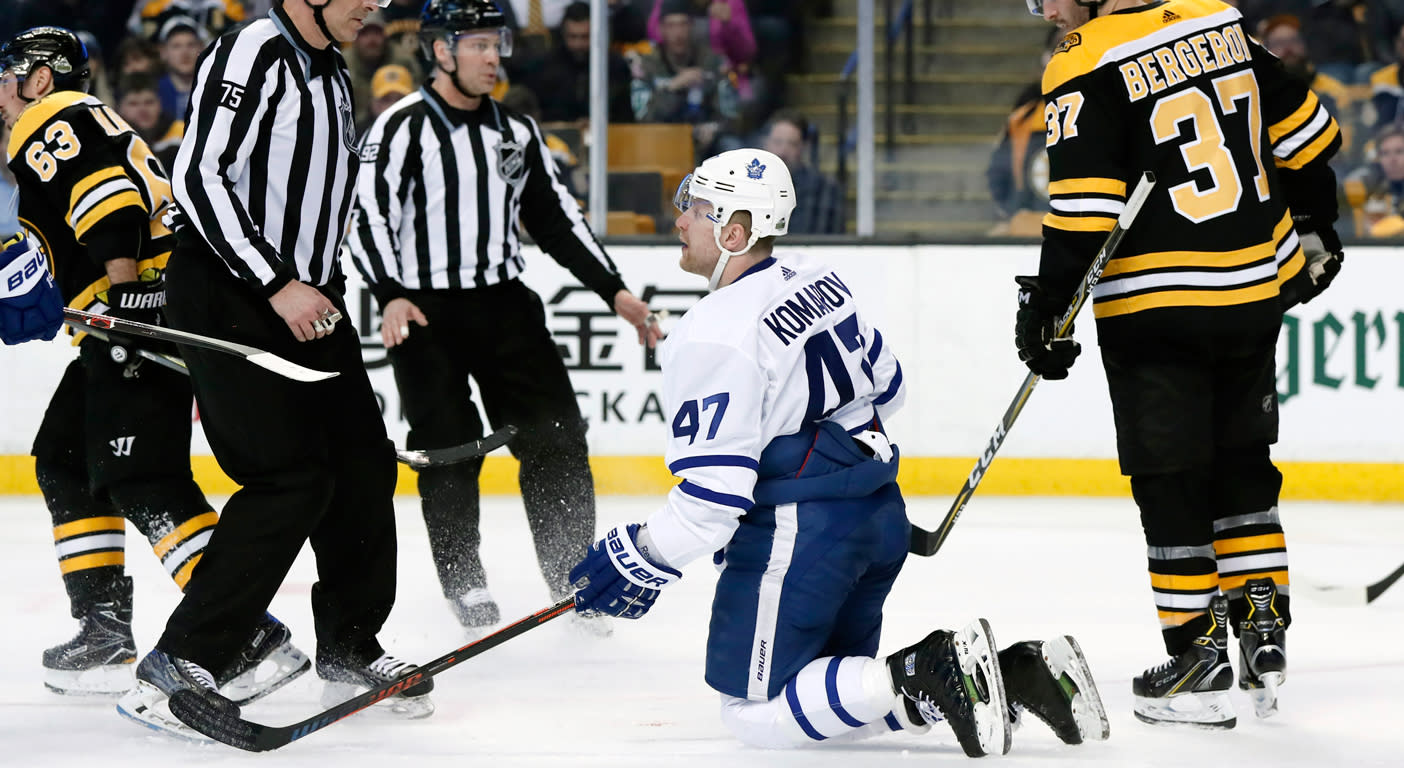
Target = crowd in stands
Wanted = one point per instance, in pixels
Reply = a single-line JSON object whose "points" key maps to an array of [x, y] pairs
{"points": [[694, 62], [1347, 51]]}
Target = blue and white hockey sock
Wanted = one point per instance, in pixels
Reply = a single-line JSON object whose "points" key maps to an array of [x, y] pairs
{"points": [[843, 698]]}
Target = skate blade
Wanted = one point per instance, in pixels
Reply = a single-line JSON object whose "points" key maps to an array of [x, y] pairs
{"points": [[1265, 698], [1064, 657], [975, 653], [107, 680], [284, 665], [147, 705], [1210, 709], [406, 707]]}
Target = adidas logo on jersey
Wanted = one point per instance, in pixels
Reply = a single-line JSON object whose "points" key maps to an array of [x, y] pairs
{"points": [[786, 272], [1169, 16]]}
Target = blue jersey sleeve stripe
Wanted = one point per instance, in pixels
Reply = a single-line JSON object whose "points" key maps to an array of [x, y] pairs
{"points": [[876, 348], [714, 460], [725, 499], [892, 388]]}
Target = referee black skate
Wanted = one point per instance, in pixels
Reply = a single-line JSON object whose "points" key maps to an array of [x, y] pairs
{"points": [[264, 179], [445, 267]]}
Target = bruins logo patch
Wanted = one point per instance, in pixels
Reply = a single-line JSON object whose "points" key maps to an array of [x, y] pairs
{"points": [[1068, 43]]}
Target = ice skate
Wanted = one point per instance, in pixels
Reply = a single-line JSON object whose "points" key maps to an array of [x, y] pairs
{"points": [[345, 680], [1051, 679], [101, 659], [266, 663], [1262, 647], [1191, 688], [955, 676], [476, 611], [158, 676]]}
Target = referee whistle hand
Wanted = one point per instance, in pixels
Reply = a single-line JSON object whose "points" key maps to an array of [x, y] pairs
{"points": [[635, 311], [395, 321], [309, 314]]}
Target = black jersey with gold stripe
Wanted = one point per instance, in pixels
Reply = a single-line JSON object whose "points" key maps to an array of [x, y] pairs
{"points": [[1178, 88], [76, 163]]}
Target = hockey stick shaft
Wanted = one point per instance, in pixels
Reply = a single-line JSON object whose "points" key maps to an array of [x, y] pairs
{"points": [[1353, 595], [197, 712], [85, 321], [927, 543]]}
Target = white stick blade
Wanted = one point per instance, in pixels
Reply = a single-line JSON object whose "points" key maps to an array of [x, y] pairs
{"points": [[287, 368]]}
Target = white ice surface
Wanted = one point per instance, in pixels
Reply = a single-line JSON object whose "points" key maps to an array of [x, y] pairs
{"points": [[552, 697]]}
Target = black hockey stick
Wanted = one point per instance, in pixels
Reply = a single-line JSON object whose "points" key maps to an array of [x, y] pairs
{"points": [[437, 457], [926, 543], [419, 459], [1358, 595], [199, 713], [85, 320]]}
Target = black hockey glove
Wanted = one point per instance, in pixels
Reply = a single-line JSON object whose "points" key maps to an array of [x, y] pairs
{"points": [[1324, 256], [139, 302], [1034, 329]]}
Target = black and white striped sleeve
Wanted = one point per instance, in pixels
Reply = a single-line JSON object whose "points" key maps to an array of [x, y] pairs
{"points": [[237, 86], [374, 240], [557, 224]]}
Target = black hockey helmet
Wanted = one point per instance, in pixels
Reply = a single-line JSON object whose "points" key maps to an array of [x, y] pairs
{"points": [[54, 47], [444, 19]]}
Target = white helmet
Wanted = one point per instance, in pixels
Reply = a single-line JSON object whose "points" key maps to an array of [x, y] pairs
{"points": [[750, 180]]}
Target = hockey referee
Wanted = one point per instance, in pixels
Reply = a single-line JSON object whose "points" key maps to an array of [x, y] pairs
{"points": [[265, 177], [449, 172]]}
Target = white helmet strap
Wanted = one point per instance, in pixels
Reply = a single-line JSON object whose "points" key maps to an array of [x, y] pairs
{"points": [[725, 254]]}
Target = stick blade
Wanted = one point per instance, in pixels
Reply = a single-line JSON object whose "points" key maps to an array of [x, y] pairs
{"points": [[287, 368], [202, 715], [438, 457]]}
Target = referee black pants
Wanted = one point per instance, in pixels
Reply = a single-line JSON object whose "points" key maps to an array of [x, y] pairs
{"points": [[314, 463], [498, 335]]}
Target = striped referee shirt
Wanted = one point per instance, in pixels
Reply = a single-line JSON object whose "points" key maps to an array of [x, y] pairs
{"points": [[438, 204], [267, 169]]}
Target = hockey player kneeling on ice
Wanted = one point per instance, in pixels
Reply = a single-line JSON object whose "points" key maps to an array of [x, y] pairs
{"points": [[777, 390]]}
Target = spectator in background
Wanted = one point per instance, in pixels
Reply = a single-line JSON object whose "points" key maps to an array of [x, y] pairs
{"points": [[99, 81], [368, 54], [9, 192], [140, 105], [402, 32], [1386, 91], [181, 39], [390, 83], [1348, 39], [628, 27], [1282, 36], [1018, 169], [818, 199], [682, 82], [137, 55], [726, 24], [561, 80], [1376, 192], [214, 16]]}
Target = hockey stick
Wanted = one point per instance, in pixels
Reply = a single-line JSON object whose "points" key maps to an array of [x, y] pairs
{"points": [[85, 320], [1357, 595], [419, 459], [199, 713], [926, 543], [437, 457]]}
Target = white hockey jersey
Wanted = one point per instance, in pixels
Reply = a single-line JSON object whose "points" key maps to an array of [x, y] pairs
{"points": [[783, 346]]}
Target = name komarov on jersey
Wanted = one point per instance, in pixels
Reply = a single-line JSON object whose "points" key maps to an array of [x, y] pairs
{"points": [[795, 315]]}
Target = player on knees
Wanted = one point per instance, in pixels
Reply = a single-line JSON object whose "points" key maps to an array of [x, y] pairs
{"points": [[777, 391]]}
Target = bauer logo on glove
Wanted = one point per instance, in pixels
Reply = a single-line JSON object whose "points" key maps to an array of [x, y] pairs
{"points": [[617, 577]]}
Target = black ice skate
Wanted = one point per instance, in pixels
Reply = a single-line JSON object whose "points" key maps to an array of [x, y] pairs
{"points": [[1262, 647], [345, 680], [475, 609], [100, 659], [266, 663], [1192, 687], [955, 676], [158, 676], [1051, 679]]}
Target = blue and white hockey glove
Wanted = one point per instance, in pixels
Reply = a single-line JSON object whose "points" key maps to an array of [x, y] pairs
{"points": [[616, 579], [31, 306]]}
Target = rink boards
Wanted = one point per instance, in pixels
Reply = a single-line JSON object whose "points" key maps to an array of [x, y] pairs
{"points": [[948, 313]]}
